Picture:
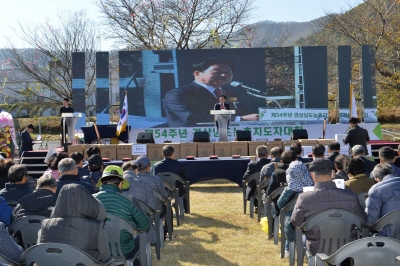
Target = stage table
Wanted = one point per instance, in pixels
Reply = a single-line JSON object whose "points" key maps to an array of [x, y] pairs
{"points": [[203, 169]]}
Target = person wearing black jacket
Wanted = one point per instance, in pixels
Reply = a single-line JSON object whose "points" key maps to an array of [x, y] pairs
{"points": [[41, 201], [26, 140], [356, 135]]}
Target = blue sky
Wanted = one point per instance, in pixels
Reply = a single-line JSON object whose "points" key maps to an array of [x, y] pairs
{"points": [[40, 11]]}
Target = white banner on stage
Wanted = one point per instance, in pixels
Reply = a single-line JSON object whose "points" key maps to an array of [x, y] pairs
{"points": [[292, 114], [258, 132]]}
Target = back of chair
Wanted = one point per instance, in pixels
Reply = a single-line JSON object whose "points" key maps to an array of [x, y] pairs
{"points": [[171, 178], [367, 251], [27, 228], [113, 227], [393, 219], [361, 198], [57, 254], [290, 206], [12, 203], [6, 261], [254, 177], [265, 182], [335, 228], [277, 192]]}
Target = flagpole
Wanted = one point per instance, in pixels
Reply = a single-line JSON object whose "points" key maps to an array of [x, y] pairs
{"points": [[351, 99], [127, 117]]}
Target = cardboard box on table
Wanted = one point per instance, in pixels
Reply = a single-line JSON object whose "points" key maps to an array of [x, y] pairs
{"points": [[273, 144], [124, 151], [187, 149], [205, 149], [75, 148], [108, 151], [253, 146], [240, 148], [154, 152], [308, 142], [87, 146], [223, 149], [325, 142]]}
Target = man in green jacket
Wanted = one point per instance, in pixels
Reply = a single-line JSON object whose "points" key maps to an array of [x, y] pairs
{"points": [[111, 184]]}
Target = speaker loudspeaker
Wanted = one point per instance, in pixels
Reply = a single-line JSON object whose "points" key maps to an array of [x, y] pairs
{"points": [[243, 135], [201, 136], [144, 137], [299, 134]]}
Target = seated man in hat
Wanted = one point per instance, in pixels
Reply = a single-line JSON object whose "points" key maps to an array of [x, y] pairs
{"points": [[325, 196], [111, 185], [95, 167], [26, 140]]}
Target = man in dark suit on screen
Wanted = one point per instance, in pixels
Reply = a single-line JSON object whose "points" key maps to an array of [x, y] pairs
{"points": [[356, 135], [26, 140], [190, 104]]}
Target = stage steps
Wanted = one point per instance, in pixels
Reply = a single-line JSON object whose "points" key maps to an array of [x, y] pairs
{"points": [[34, 162]]}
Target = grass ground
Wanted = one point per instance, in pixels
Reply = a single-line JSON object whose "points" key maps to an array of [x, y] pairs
{"points": [[218, 233]]}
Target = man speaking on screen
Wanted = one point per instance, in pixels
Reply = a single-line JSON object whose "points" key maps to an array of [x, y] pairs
{"points": [[190, 104]]}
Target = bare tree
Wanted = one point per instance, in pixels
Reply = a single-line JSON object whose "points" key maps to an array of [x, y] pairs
{"points": [[48, 61], [173, 24], [374, 22]]}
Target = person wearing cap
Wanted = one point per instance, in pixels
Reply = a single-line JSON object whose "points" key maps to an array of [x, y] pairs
{"points": [[26, 139], [111, 185], [65, 109], [325, 196], [69, 175], [91, 151], [95, 166], [143, 166]]}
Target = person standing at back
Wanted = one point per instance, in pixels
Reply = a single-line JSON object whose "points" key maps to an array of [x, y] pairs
{"points": [[63, 110], [26, 139], [356, 135]]}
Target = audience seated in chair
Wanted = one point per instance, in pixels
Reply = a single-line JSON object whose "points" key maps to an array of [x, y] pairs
{"points": [[269, 168], [18, 185], [111, 185], [341, 164], [383, 197], [397, 160], [334, 151], [5, 212], [140, 190], [53, 164], [5, 165], [297, 177], [169, 164], [318, 152], [77, 220], [95, 167], [278, 177], [143, 165], [91, 151], [388, 155], [253, 167], [358, 151], [41, 201], [296, 147], [68, 175], [325, 196], [358, 181], [78, 158], [7, 245]]}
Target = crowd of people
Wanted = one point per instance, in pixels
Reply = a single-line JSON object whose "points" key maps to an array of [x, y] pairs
{"points": [[360, 175], [75, 197]]}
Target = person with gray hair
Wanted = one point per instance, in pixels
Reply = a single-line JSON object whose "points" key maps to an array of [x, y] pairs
{"points": [[269, 168], [388, 155], [253, 167], [383, 197], [18, 185], [41, 201], [69, 175], [358, 151]]}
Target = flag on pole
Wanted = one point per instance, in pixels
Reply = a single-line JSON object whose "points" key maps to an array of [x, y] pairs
{"points": [[353, 107], [123, 119]]}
